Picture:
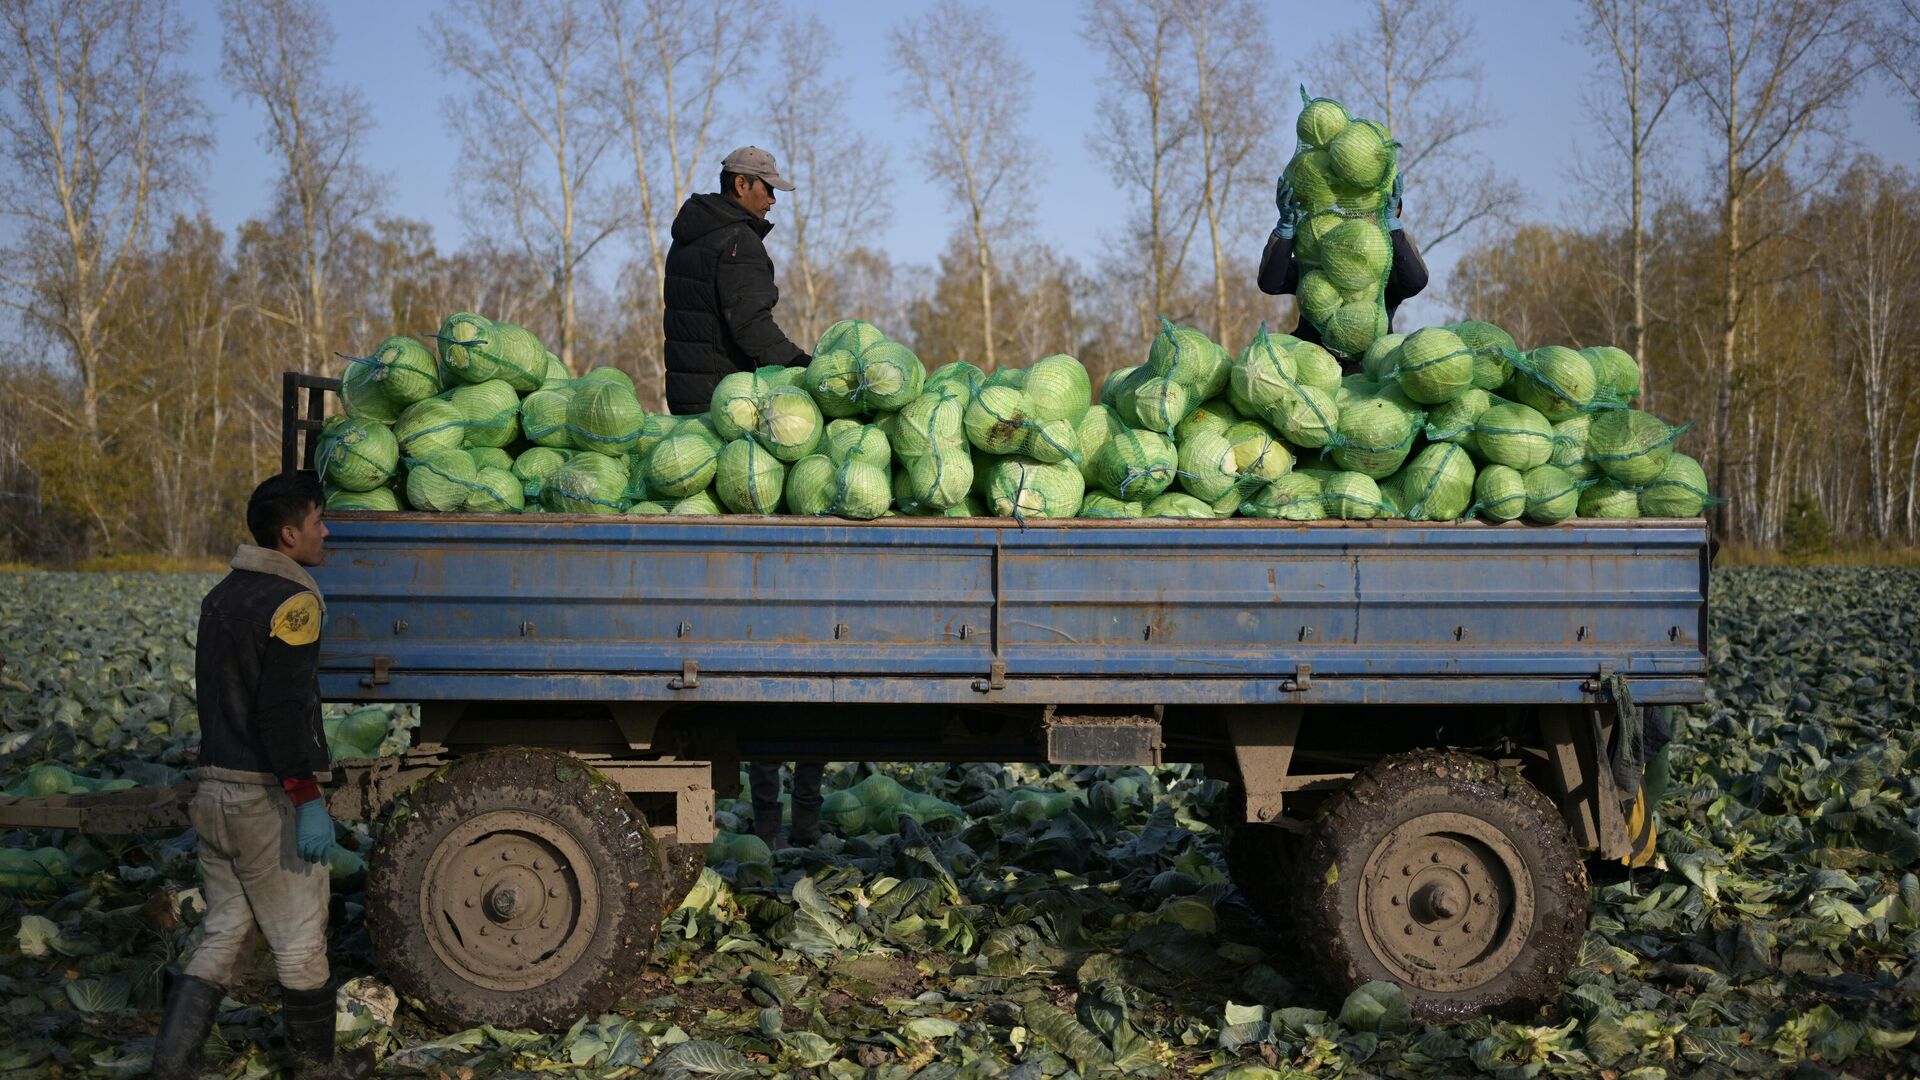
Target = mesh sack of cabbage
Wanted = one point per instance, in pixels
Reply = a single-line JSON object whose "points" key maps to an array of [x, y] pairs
{"points": [[1342, 174]]}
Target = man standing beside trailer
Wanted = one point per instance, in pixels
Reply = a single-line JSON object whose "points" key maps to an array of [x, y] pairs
{"points": [[262, 822]]}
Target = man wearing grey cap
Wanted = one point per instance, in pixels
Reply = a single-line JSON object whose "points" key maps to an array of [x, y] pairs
{"points": [[719, 290]]}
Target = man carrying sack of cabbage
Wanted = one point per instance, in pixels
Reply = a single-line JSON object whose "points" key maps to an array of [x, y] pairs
{"points": [[1338, 247], [719, 290], [264, 833]]}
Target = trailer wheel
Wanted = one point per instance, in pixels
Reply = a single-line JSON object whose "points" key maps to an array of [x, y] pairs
{"points": [[516, 887], [683, 863], [1439, 872]]}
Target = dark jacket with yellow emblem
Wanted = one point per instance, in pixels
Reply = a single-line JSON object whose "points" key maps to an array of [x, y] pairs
{"points": [[255, 661]]}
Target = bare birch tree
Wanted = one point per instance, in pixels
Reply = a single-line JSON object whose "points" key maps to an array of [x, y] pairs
{"points": [[665, 66], [1233, 117], [274, 53], [1412, 66], [1896, 45], [1143, 125], [1641, 88], [1871, 249], [531, 134], [101, 126], [1766, 76], [961, 75], [835, 202]]}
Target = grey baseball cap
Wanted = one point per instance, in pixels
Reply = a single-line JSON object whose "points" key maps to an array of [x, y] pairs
{"points": [[753, 161]]}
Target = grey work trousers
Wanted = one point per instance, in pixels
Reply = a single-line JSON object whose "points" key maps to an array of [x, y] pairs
{"points": [[253, 879], [764, 779]]}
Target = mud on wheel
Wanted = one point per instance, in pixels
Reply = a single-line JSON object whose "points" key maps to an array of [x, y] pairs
{"points": [[1442, 873], [516, 886]]}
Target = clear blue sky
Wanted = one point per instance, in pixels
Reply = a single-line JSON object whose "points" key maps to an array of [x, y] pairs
{"points": [[1534, 75]]}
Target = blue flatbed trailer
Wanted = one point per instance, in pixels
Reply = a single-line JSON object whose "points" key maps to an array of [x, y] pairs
{"points": [[1311, 665]]}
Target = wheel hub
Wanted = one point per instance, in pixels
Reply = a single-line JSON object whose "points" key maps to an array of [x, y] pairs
{"points": [[509, 900], [1445, 902]]}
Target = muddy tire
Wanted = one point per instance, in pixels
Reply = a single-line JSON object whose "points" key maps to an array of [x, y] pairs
{"points": [[683, 863], [516, 887], [1441, 873]]}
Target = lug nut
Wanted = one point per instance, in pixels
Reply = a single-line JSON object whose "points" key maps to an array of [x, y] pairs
{"points": [[1406, 871], [1409, 929], [539, 864], [516, 939], [1396, 902], [544, 923], [1436, 856], [1466, 928], [478, 872], [484, 931], [553, 890], [1479, 898], [469, 901], [1436, 939]]}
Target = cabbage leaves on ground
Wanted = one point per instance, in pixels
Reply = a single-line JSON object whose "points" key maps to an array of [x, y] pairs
{"points": [[1072, 919]]}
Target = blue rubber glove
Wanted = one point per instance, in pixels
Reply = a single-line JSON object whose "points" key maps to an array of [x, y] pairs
{"points": [[313, 831], [1393, 212], [1289, 212]]}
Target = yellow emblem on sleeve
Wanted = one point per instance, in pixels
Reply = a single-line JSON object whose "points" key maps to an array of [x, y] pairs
{"points": [[297, 622]]}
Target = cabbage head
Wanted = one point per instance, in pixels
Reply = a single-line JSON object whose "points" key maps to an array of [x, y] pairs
{"points": [[1680, 491], [496, 491], [1500, 493], [1361, 155], [380, 498], [604, 416], [430, 426], [1177, 504], [1607, 499], [1099, 504], [1293, 497], [683, 463], [860, 442], [748, 478], [1321, 120], [441, 481], [1437, 485], [1629, 445], [1435, 366], [357, 454], [1556, 381], [1020, 487], [1059, 388], [1357, 255], [586, 484], [1375, 436], [1135, 465], [543, 417], [1552, 495], [1352, 496], [1356, 325], [1513, 435]]}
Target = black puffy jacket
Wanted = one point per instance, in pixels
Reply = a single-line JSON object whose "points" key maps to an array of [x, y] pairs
{"points": [[720, 297], [255, 657]]}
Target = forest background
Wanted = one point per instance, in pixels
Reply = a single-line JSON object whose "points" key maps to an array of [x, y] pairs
{"points": [[196, 197]]}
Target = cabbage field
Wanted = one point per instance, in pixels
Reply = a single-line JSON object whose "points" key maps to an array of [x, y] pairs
{"points": [[1012, 921]]}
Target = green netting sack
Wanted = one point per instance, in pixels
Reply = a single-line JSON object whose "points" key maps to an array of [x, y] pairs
{"points": [[1190, 359], [1216, 416], [356, 454], [604, 416], [932, 422], [1513, 435], [959, 377], [1093, 432], [1680, 491], [534, 466], [491, 411], [936, 481], [1178, 504], [380, 498], [851, 439], [604, 374], [1022, 487], [496, 491], [1608, 499], [1113, 384], [1437, 485], [1000, 420], [1493, 349], [430, 426], [1315, 366], [770, 408], [1552, 495], [557, 374], [587, 484], [1342, 174], [441, 481], [1631, 446], [1381, 358], [1499, 493], [543, 417], [401, 371], [1434, 366], [1293, 497], [476, 349], [1374, 436], [1570, 448], [1453, 421], [1154, 402], [1353, 496], [856, 370], [1258, 455], [749, 479], [1558, 383], [683, 463], [490, 457], [1135, 465], [851, 489], [1099, 504], [1207, 466], [1059, 388], [366, 399], [1615, 369], [701, 503], [1263, 372]]}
